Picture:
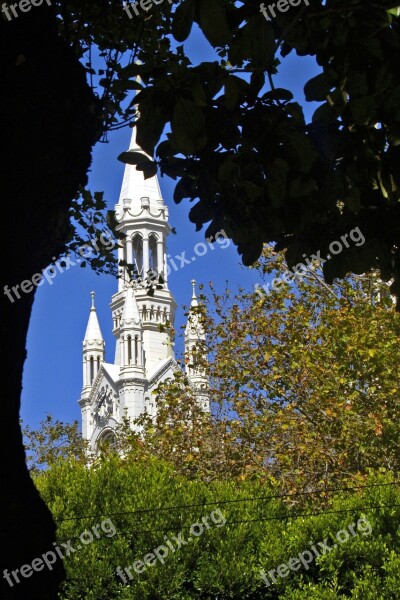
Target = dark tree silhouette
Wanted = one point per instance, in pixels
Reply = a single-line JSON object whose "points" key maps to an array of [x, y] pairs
{"points": [[238, 146]]}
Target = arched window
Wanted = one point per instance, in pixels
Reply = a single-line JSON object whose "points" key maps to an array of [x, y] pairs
{"points": [[153, 253], [195, 358], [91, 369], [107, 440], [149, 406], [136, 350], [137, 248], [129, 350], [98, 363]]}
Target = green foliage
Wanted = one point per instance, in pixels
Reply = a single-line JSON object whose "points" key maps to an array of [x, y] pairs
{"points": [[336, 172], [52, 441], [92, 233], [241, 148], [224, 562], [303, 385]]}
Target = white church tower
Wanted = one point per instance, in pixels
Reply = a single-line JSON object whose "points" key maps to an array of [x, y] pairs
{"points": [[144, 351], [195, 352]]}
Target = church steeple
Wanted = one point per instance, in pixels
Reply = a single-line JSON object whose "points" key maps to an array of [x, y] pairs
{"points": [[194, 331], [195, 350], [93, 331], [135, 186], [143, 312], [143, 222], [93, 347], [143, 218]]}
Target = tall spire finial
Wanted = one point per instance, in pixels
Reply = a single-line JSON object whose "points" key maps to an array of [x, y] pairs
{"points": [[194, 297], [93, 296]]}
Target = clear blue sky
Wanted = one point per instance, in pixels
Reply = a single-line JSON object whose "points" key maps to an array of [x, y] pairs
{"points": [[53, 371]]}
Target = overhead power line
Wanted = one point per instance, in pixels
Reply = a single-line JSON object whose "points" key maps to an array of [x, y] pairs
{"points": [[356, 509], [222, 502]]}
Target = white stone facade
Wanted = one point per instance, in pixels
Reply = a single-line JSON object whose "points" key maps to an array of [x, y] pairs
{"points": [[144, 355]]}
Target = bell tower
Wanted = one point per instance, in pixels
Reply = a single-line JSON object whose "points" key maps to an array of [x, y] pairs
{"points": [[142, 310], [196, 352], [143, 220], [93, 355]]}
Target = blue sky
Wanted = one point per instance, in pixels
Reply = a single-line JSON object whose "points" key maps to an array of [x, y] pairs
{"points": [[53, 370]]}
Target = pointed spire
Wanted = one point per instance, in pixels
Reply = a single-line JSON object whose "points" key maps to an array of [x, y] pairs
{"points": [[135, 186], [131, 315], [93, 331], [194, 327], [196, 351]]}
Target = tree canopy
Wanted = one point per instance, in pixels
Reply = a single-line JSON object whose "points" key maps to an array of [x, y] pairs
{"points": [[235, 144], [241, 148], [302, 384], [141, 507]]}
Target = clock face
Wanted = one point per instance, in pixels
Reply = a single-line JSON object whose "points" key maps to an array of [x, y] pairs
{"points": [[103, 405]]}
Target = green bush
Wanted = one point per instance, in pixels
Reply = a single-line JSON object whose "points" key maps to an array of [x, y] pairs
{"points": [[225, 561]]}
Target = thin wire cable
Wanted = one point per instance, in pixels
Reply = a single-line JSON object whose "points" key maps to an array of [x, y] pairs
{"points": [[358, 509], [250, 499]]}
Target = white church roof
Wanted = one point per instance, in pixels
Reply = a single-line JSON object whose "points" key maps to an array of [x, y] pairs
{"points": [[111, 370]]}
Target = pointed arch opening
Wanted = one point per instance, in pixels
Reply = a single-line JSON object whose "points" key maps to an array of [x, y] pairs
{"points": [[136, 349], [137, 249], [129, 350], [153, 262], [91, 375]]}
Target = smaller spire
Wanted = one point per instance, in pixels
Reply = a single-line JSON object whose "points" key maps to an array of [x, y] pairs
{"points": [[194, 328], [93, 331], [131, 311]]}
